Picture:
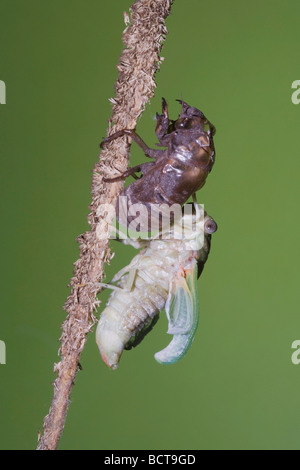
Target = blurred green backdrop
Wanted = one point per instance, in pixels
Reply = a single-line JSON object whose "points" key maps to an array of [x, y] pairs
{"points": [[237, 388]]}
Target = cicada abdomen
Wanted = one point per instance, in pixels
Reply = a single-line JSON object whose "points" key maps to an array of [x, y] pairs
{"points": [[163, 275]]}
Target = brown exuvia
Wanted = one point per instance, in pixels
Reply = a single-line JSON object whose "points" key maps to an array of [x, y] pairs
{"points": [[178, 171]]}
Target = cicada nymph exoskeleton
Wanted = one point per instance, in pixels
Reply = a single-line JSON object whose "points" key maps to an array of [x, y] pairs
{"points": [[178, 171]]}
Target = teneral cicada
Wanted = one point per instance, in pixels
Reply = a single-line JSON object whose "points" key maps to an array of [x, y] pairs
{"points": [[163, 275]]}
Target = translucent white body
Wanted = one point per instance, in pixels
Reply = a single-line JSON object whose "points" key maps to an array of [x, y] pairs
{"points": [[162, 275]]}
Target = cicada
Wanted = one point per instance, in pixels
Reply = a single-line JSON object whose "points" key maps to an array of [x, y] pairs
{"points": [[163, 275], [178, 171]]}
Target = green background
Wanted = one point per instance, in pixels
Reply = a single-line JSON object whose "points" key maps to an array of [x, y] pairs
{"points": [[237, 388]]}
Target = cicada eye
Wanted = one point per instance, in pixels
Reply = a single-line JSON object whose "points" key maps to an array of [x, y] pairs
{"points": [[210, 226]]}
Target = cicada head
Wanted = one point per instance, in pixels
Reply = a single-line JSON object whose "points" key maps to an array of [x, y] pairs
{"points": [[192, 118]]}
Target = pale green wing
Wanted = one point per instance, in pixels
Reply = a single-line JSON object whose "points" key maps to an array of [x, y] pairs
{"points": [[179, 307], [182, 312]]}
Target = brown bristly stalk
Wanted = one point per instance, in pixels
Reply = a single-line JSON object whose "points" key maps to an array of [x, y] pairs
{"points": [[143, 39]]}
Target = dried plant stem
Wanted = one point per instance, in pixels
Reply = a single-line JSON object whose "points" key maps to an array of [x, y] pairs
{"points": [[135, 85]]}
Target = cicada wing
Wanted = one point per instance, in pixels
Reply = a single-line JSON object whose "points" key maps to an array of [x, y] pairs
{"points": [[179, 307], [182, 311], [175, 350]]}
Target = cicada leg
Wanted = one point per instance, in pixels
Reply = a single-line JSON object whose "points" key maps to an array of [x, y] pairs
{"points": [[129, 172], [127, 286], [162, 122], [143, 168], [152, 153], [106, 285]]}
